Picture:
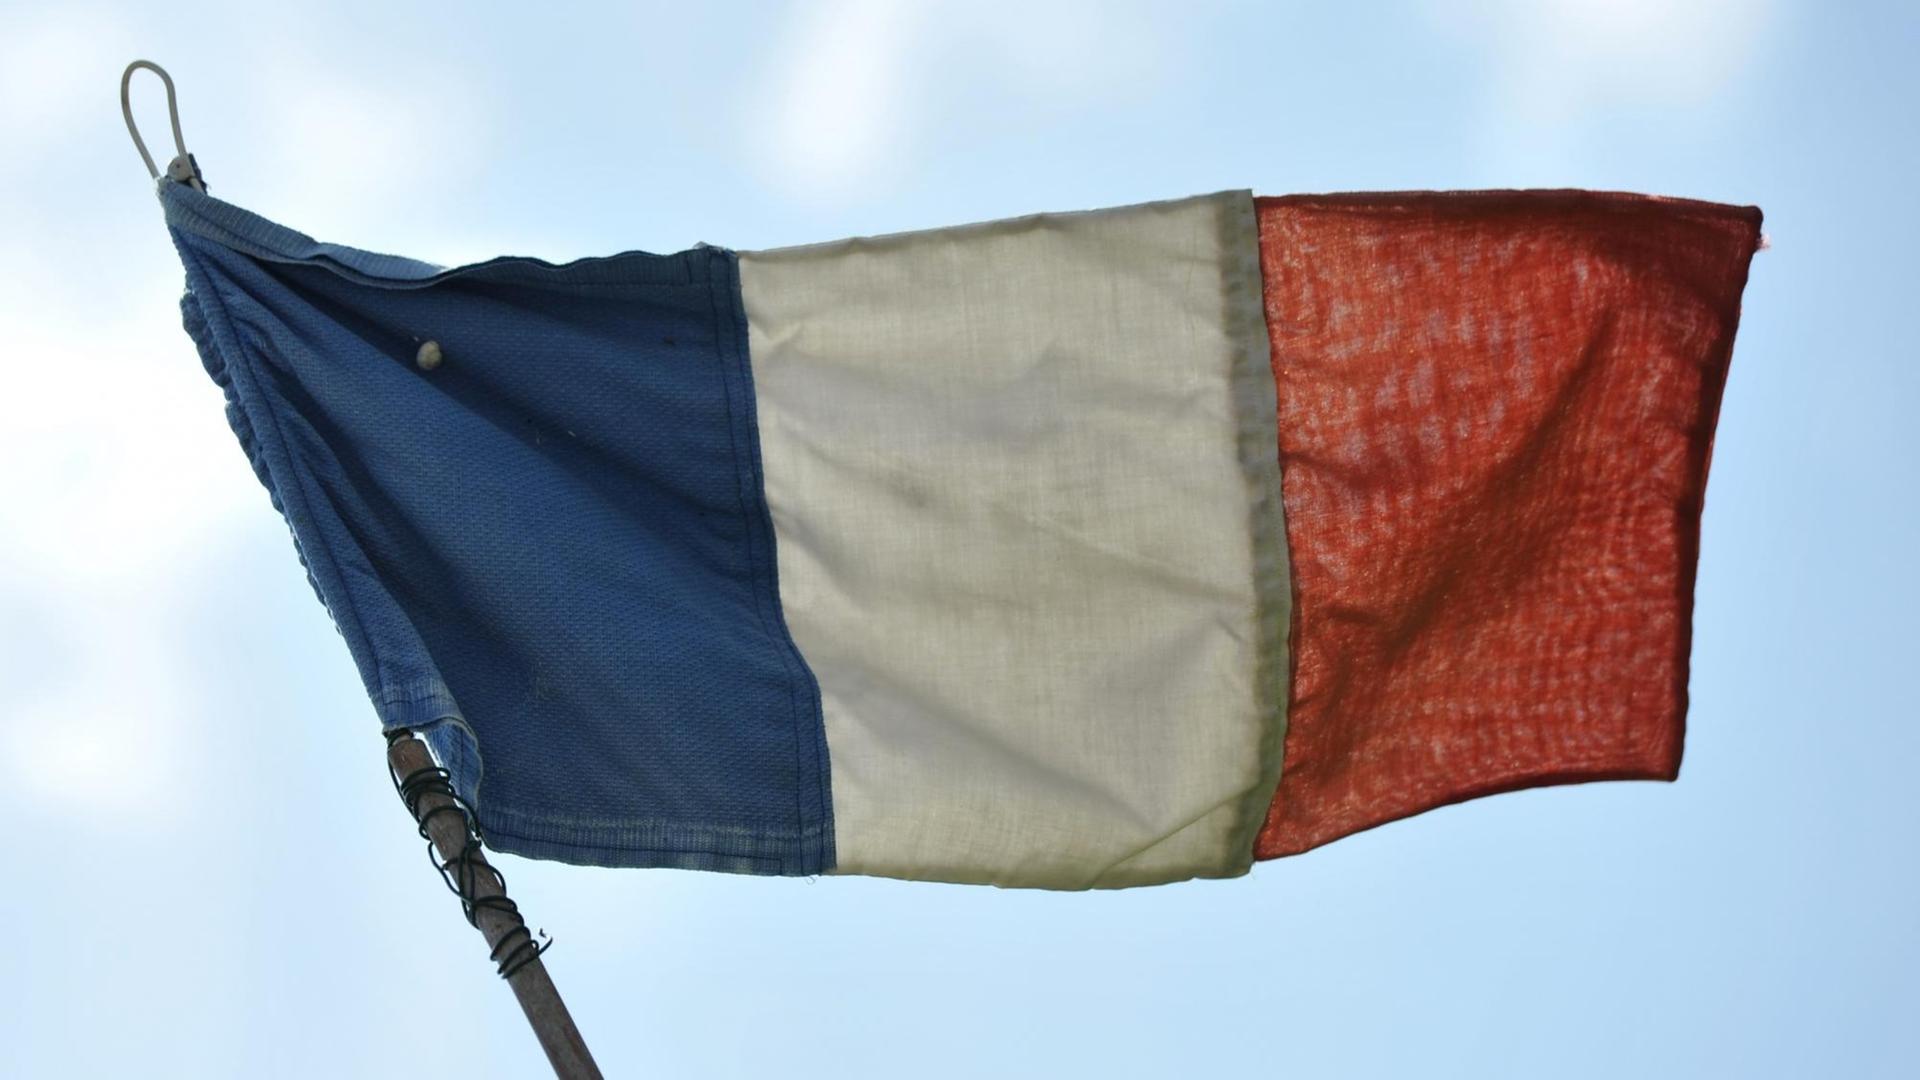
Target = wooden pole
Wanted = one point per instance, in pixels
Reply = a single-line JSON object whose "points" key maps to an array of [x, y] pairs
{"points": [[444, 820]]}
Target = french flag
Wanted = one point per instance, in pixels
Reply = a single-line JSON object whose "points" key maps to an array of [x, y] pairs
{"points": [[1085, 549]]}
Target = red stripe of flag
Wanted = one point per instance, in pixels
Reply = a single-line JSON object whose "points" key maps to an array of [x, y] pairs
{"points": [[1495, 411]]}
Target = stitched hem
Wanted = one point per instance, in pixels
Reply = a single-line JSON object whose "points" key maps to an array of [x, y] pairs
{"points": [[813, 800], [644, 843], [1256, 403]]}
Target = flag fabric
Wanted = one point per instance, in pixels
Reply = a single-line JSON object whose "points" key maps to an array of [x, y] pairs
{"points": [[1496, 410], [1027, 510], [984, 554], [548, 553]]}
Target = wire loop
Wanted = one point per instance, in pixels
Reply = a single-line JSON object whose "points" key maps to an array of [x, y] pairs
{"points": [[183, 167]]}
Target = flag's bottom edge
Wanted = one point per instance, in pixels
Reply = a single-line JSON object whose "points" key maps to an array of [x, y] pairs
{"points": [[654, 845], [624, 842], [1287, 843], [1044, 883]]}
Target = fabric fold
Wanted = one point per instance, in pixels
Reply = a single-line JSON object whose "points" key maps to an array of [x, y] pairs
{"points": [[548, 551], [1023, 479], [1496, 413]]}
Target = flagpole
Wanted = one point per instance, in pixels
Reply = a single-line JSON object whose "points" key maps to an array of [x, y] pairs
{"points": [[445, 821]]}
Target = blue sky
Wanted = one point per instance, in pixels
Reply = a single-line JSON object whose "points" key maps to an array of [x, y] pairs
{"points": [[204, 873]]}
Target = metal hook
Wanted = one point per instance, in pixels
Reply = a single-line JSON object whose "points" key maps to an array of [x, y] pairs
{"points": [[182, 168]]}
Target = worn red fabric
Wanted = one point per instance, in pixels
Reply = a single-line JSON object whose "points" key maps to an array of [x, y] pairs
{"points": [[1496, 411]]}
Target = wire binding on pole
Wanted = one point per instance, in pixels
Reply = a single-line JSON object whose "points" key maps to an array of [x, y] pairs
{"points": [[518, 947]]}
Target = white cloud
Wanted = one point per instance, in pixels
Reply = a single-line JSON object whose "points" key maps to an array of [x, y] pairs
{"points": [[57, 68], [1076, 51], [102, 744], [341, 159], [857, 81], [836, 110], [119, 476], [111, 437], [1556, 58]]}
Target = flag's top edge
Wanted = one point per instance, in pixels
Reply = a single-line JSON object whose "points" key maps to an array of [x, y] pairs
{"points": [[1005, 224], [223, 223], [1479, 200]]}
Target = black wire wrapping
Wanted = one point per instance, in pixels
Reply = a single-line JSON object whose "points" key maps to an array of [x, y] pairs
{"points": [[461, 873]]}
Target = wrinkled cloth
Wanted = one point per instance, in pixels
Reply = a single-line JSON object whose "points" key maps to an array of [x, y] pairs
{"points": [[1075, 550], [1496, 411], [1027, 507], [549, 553]]}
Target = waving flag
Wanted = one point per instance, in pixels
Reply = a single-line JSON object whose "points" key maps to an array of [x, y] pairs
{"points": [[984, 554]]}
